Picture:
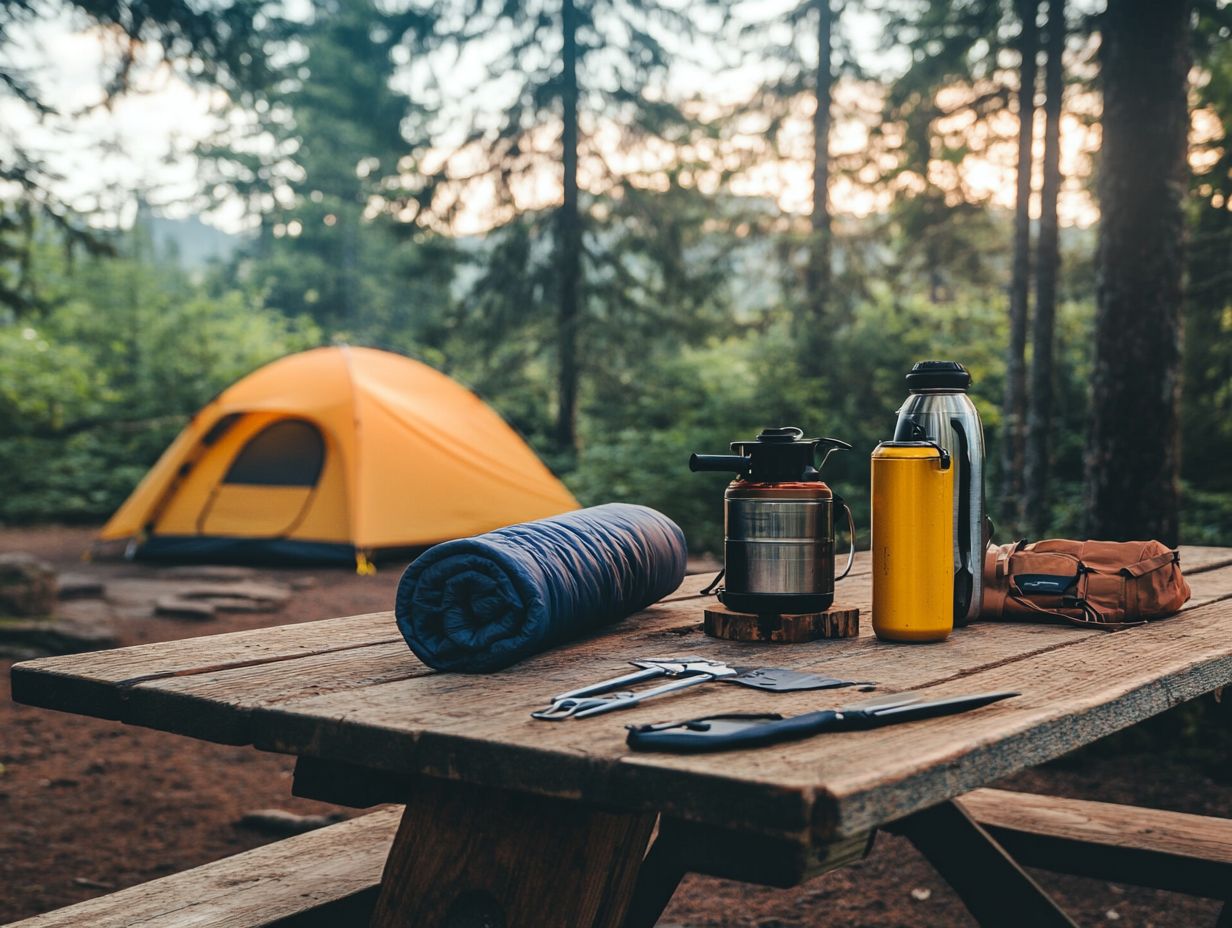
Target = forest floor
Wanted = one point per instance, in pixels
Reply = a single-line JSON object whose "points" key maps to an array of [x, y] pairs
{"points": [[87, 806]]}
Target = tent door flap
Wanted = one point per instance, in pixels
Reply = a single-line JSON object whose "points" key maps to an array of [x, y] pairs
{"points": [[269, 485]]}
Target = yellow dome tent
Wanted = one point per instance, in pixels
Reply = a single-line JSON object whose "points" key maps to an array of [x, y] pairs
{"points": [[332, 454]]}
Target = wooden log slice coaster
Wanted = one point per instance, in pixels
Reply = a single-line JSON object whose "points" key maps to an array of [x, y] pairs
{"points": [[835, 622]]}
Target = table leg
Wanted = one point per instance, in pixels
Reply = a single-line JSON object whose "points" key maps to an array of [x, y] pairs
{"points": [[661, 872], [474, 857], [684, 847], [993, 887]]}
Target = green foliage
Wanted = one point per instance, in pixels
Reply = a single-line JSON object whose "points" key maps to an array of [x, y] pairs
{"points": [[635, 448], [706, 398], [1206, 516], [656, 282], [94, 389], [321, 163]]}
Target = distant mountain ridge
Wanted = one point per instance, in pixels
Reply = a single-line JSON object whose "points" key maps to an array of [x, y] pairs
{"points": [[193, 243]]}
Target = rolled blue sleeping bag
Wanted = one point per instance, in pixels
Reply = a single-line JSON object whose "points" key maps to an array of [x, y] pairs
{"points": [[483, 603]]}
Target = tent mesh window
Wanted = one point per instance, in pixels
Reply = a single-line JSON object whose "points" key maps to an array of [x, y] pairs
{"points": [[290, 453]]}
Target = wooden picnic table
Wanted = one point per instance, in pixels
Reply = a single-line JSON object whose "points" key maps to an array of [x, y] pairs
{"points": [[513, 821]]}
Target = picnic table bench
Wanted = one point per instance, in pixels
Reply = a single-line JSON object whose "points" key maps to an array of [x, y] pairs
{"points": [[511, 821]]}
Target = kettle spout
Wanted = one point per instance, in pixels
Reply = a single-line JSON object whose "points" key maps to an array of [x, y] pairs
{"points": [[831, 445]]}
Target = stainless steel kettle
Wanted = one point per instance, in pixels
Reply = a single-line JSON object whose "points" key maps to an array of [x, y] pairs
{"points": [[939, 410], [778, 515]]}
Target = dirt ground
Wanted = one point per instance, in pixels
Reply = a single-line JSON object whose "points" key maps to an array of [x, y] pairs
{"points": [[88, 806]]}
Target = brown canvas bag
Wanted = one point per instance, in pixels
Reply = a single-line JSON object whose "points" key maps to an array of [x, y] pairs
{"points": [[1106, 584]]}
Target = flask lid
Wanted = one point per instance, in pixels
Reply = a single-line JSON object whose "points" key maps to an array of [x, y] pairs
{"points": [[938, 375]]}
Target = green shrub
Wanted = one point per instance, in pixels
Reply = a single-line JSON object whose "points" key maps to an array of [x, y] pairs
{"points": [[95, 386]]}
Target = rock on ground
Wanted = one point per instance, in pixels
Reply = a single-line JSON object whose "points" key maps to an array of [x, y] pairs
{"points": [[27, 585], [23, 639]]}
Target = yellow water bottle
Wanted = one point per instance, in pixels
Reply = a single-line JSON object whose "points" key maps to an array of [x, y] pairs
{"points": [[913, 541]]}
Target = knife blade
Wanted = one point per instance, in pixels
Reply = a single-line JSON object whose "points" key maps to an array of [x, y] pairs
{"points": [[782, 680]]}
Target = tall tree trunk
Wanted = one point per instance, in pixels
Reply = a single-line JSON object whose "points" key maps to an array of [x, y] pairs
{"points": [[1020, 290], [1133, 448], [819, 275], [1048, 261], [568, 239]]}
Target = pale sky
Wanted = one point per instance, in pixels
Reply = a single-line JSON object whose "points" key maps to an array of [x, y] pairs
{"points": [[105, 155]]}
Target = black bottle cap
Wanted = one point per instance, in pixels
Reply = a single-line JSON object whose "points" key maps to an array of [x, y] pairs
{"points": [[938, 375]]}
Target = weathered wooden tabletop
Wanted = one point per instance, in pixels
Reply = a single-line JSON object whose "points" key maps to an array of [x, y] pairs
{"points": [[349, 690]]}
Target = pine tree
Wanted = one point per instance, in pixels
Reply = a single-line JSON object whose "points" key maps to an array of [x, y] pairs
{"points": [[1014, 413], [320, 160], [804, 72], [1035, 507], [956, 50], [1133, 453], [573, 69], [820, 262]]}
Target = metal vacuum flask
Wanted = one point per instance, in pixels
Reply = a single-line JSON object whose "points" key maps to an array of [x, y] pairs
{"points": [[778, 546], [939, 410]]}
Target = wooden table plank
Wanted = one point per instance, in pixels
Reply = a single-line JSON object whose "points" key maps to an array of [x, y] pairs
{"points": [[1070, 697], [94, 682], [1173, 851], [216, 705], [349, 690], [1198, 558], [206, 689], [1190, 838]]}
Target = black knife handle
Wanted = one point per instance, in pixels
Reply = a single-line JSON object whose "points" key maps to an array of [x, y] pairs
{"points": [[718, 734]]}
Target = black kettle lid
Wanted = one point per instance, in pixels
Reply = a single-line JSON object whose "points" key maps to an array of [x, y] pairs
{"points": [[938, 375], [786, 434], [784, 454]]}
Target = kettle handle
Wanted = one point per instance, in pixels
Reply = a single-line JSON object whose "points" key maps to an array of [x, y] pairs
{"points": [[851, 537]]}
